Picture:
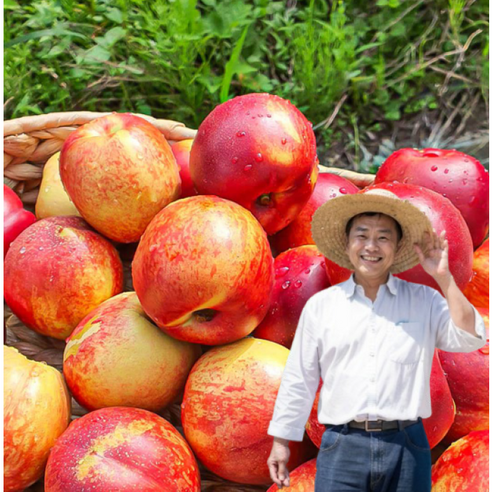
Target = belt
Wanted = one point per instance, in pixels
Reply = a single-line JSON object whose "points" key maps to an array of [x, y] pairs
{"points": [[379, 425]]}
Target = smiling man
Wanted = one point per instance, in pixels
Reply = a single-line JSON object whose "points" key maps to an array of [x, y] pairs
{"points": [[371, 340]]}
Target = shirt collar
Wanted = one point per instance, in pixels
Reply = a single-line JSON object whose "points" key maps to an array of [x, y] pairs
{"points": [[392, 284], [350, 285]]}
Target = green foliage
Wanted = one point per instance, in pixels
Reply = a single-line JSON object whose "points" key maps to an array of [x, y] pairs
{"points": [[178, 59]]}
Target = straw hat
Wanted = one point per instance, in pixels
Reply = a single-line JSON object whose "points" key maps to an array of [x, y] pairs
{"points": [[330, 221]]}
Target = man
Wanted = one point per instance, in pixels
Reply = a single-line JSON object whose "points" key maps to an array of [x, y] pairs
{"points": [[371, 339]]}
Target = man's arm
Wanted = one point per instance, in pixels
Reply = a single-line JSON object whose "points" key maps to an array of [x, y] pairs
{"points": [[460, 309], [434, 259], [300, 380]]}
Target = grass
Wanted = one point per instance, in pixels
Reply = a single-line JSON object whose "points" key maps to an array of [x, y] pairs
{"points": [[355, 68]]}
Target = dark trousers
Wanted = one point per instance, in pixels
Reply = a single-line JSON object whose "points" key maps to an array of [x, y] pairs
{"points": [[388, 461]]}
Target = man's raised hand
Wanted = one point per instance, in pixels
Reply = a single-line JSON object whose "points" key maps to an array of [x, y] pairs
{"points": [[433, 255]]}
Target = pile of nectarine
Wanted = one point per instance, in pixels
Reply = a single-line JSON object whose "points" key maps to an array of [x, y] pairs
{"points": [[223, 261]]}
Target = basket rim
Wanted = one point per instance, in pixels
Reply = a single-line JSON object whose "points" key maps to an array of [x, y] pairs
{"points": [[27, 124]]}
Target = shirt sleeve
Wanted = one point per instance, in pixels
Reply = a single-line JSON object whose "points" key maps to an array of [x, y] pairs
{"points": [[300, 381], [452, 338]]}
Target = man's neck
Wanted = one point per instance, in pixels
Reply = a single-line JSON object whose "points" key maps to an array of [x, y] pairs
{"points": [[371, 285]]}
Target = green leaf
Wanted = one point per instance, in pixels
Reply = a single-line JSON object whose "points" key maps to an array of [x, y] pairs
{"points": [[10, 5], [367, 46], [244, 68], [212, 84], [230, 68], [115, 15], [77, 73], [114, 35], [398, 30], [56, 31], [259, 83], [143, 108], [393, 115], [96, 53]]}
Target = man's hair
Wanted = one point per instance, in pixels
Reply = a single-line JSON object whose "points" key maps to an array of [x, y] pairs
{"points": [[350, 223]]}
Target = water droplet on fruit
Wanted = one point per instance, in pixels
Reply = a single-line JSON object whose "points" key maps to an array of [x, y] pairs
{"points": [[22, 250], [240, 134], [248, 168], [450, 181], [139, 156], [284, 141], [286, 285], [258, 157], [343, 191], [234, 160], [298, 284], [446, 171], [280, 272], [434, 168], [260, 115], [41, 248], [472, 199], [464, 181], [444, 195], [269, 115], [308, 271], [152, 247], [466, 160]]}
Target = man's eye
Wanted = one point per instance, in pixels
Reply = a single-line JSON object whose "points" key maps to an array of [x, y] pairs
{"points": [[383, 238], [361, 236]]}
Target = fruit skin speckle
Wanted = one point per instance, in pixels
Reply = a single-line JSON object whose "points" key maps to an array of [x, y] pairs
{"points": [[121, 448], [464, 466], [281, 148], [298, 233], [299, 274], [442, 171], [75, 264], [227, 406]]}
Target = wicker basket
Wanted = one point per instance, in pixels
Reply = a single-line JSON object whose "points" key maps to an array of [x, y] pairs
{"points": [[28, 143]]}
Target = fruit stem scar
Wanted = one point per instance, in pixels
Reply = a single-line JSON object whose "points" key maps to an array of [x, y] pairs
{"points": [[264, 199], [204, 315]]}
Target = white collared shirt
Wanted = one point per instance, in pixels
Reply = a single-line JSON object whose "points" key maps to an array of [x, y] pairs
{"points": [[374, 359]]}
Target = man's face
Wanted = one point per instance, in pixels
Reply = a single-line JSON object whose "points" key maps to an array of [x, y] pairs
{"points": [[372, 244]]}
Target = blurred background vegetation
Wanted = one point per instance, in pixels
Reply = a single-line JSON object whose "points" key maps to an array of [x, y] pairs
{"points": [[370, 76]]}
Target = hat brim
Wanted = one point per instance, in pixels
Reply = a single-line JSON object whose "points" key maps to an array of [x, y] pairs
{"points": [[330, 222]]}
